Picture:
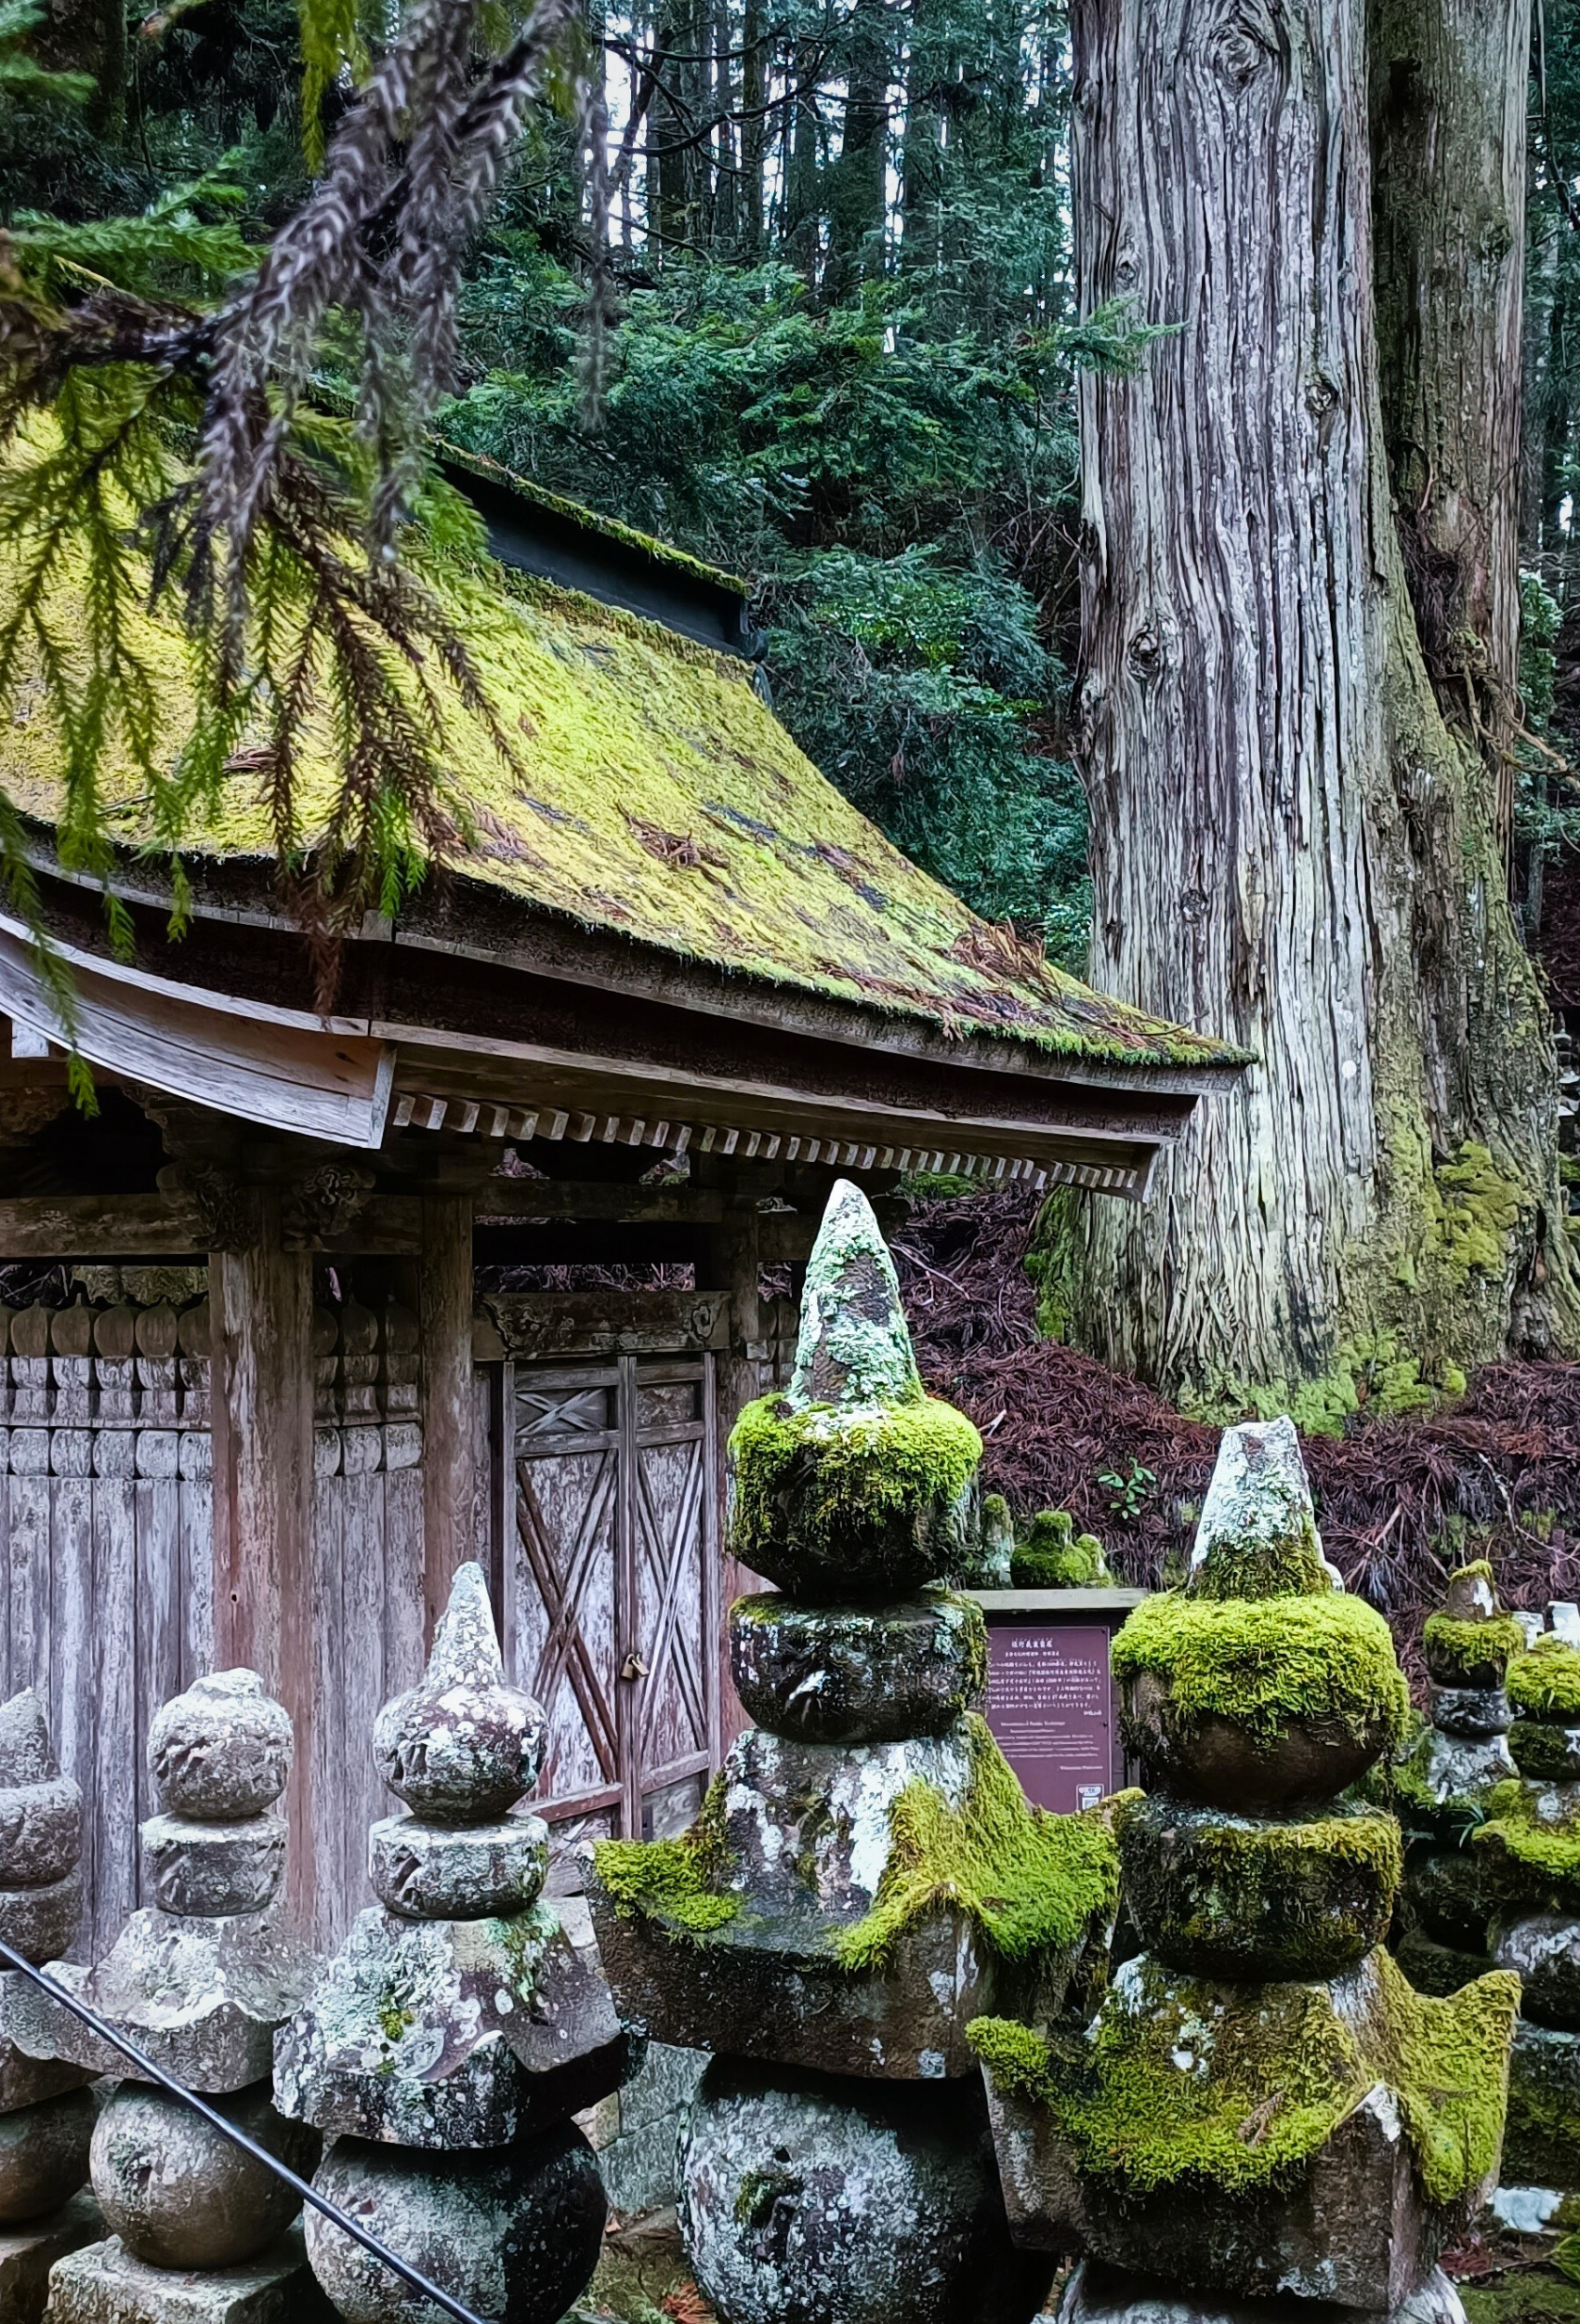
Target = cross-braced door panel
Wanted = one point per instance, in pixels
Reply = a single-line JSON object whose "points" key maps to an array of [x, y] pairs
{"points": [[561, 1613], [611, 1589]]}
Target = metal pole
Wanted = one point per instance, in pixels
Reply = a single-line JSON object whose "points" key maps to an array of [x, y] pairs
{"points": [[147, 2071]]}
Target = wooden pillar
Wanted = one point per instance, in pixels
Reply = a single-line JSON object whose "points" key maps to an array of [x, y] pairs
{"points": [[733, 1262], [260, 1314], [449, 1458]]}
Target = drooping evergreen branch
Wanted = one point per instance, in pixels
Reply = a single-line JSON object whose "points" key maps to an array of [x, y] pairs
{"points": [[156, 453]]}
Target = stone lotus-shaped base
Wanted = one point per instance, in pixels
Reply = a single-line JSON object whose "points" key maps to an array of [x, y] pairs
{"points": [[102, 2284], [28, 2254], [1097, 2295], [200, 1998], [766, 1954], [1321, 2139], [455, 2033]]}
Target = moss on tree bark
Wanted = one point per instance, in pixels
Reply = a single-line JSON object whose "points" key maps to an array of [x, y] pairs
{"points": [[1291, 847]]}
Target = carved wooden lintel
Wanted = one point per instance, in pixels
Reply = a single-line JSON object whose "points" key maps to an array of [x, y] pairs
{"points": [[322, 1202]]}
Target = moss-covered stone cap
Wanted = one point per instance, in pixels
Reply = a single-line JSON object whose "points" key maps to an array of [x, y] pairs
{"points": [[855, 1347], [1258, 1536], [1544, 1682]]}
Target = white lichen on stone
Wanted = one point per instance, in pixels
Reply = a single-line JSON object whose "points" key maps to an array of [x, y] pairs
{"points": [[855, 1347]]}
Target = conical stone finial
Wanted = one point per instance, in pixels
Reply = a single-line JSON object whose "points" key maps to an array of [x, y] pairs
{"points": [[463, 1746], [1258, 1536], [855, 1345]]}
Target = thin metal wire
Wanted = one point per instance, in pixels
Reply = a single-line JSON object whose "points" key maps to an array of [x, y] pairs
{"points": [[148, 2071]]}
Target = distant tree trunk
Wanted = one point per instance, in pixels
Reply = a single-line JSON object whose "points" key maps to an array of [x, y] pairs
{"points": [[1286, 845], [1449, 82], [89, 36], [754, 126], [671, 163], [802, 176], [857, 184]]}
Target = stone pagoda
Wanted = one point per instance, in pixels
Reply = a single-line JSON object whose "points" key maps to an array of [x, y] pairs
{"points": [[1529, 1848], [865, 1875], [463, 2023], [1263, 2109], [1439, 1786], [200, 2233], [47, 2116]]}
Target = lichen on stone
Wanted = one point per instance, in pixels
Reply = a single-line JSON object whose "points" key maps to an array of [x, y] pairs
{"points": [[1236, 2087], [1265, 1663], [853, 1349], [1258, 1533], [1544, 1682], [1028, 1882]]}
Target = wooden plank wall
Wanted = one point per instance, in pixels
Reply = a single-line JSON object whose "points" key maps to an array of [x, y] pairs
{"points": [[106, 1530]]}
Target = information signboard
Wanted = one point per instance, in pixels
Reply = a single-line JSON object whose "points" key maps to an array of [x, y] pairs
{"points": [[1050, 1705], [1050, 1700]]}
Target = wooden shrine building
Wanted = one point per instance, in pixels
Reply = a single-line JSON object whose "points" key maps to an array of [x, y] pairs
{"points": [[269, 1371]]}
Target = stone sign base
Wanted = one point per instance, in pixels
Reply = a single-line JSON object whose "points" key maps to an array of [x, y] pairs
{"points": [[104, 2285], [27, 2254], [1097, 2295]]}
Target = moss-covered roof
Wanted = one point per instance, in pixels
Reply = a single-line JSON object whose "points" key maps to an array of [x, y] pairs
{"points": [[656, 796]]}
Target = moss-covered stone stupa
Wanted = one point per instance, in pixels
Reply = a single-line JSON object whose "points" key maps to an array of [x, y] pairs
{"points": [[1440, 1783], [1263, 2113], [46, 2115], [1527, 1852], [464, 2021], [200, 2233], [865, 1876]]}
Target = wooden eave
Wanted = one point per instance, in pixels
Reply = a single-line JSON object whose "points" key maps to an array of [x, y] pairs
{"points": [[476, 1015]]}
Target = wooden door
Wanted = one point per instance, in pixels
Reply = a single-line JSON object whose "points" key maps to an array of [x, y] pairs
{"points": [[611, 1586]]}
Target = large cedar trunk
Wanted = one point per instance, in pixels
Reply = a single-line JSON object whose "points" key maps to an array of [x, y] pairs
{"points": [[1287, 847]]}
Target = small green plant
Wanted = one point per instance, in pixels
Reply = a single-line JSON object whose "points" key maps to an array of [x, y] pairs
{"points": [[1130, 1492]]}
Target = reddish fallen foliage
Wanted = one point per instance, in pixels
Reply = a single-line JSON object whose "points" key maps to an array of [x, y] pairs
{"points": [[1505, 1459]]}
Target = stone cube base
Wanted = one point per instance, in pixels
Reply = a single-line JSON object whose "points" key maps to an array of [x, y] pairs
{"points": [[104, 2285], [1096, 2294], [27, 2254], [772, 1990], [1353, 2229]]}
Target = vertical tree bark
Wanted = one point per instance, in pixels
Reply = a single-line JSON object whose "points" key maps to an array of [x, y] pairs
{"points": [[1281, 847], [753, 127], [1449, 84], [856, 193]]}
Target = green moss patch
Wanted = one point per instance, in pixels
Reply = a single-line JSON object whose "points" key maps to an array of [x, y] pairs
{"points": [[1455, 1648], [1265, 1663], [1236, 2087], [677, 1883], [1028, 1882], [1545, 1680], [831, 1489], [1531, 1842], [1054, 1556], [1300, 1895]]}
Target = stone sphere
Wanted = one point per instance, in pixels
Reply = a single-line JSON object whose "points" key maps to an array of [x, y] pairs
{"points": [[44, 2152], [513, 2232], [179, 2193], [857, 1674], [808, 2199], [222, 1751], [460, 1754]]}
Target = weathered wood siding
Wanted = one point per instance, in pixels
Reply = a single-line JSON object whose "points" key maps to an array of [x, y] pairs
{"points": [[106, 1521]]}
